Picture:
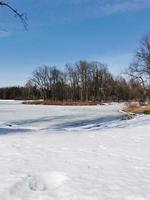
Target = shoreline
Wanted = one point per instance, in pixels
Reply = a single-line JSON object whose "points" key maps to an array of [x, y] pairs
{"points": [[64, 103], [137, 110]]}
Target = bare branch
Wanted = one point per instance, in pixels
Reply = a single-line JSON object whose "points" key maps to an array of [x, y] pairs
{"points": [[21, 16]]}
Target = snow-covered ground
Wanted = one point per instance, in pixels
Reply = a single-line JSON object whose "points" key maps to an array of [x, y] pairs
{"points": [[72, 153]]}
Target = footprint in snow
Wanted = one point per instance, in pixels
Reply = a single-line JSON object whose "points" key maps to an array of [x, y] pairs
{"points": [[46, 184]]}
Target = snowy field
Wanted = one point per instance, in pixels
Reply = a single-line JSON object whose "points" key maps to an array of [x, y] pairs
{"points": [[73, 153]]}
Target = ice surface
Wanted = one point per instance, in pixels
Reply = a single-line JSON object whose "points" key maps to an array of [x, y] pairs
{"points": [[17, 115], [72, 153]]}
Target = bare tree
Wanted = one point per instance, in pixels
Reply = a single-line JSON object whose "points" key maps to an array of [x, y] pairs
{"points": [[50, 82], [139, 69], [85, 81], [21, 16], [143, 55]]}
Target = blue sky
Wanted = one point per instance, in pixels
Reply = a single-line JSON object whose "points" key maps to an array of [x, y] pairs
{"points": [[64, 31]]}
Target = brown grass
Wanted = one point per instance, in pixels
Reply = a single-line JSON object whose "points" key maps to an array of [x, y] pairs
{"points": [[138, 110], [60, 103]]}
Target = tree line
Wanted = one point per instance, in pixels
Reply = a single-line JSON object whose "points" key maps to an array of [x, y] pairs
{"points": [[18, 93], [88, 81], [82, 81]]}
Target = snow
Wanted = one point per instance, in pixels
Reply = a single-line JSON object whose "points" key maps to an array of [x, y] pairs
{"points": [[72, 153]]}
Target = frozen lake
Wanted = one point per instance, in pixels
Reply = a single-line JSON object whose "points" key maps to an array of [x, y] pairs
{"points": [[15, 114]]}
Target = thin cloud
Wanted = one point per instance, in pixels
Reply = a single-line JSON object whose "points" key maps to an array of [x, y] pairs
{"points": [[50, 12], [124, 6], [109, 6], [4, 33], [60, 11]]}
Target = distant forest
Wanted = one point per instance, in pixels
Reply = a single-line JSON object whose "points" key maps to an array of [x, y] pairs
{"points": [[88, 81], [82, 81]]}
